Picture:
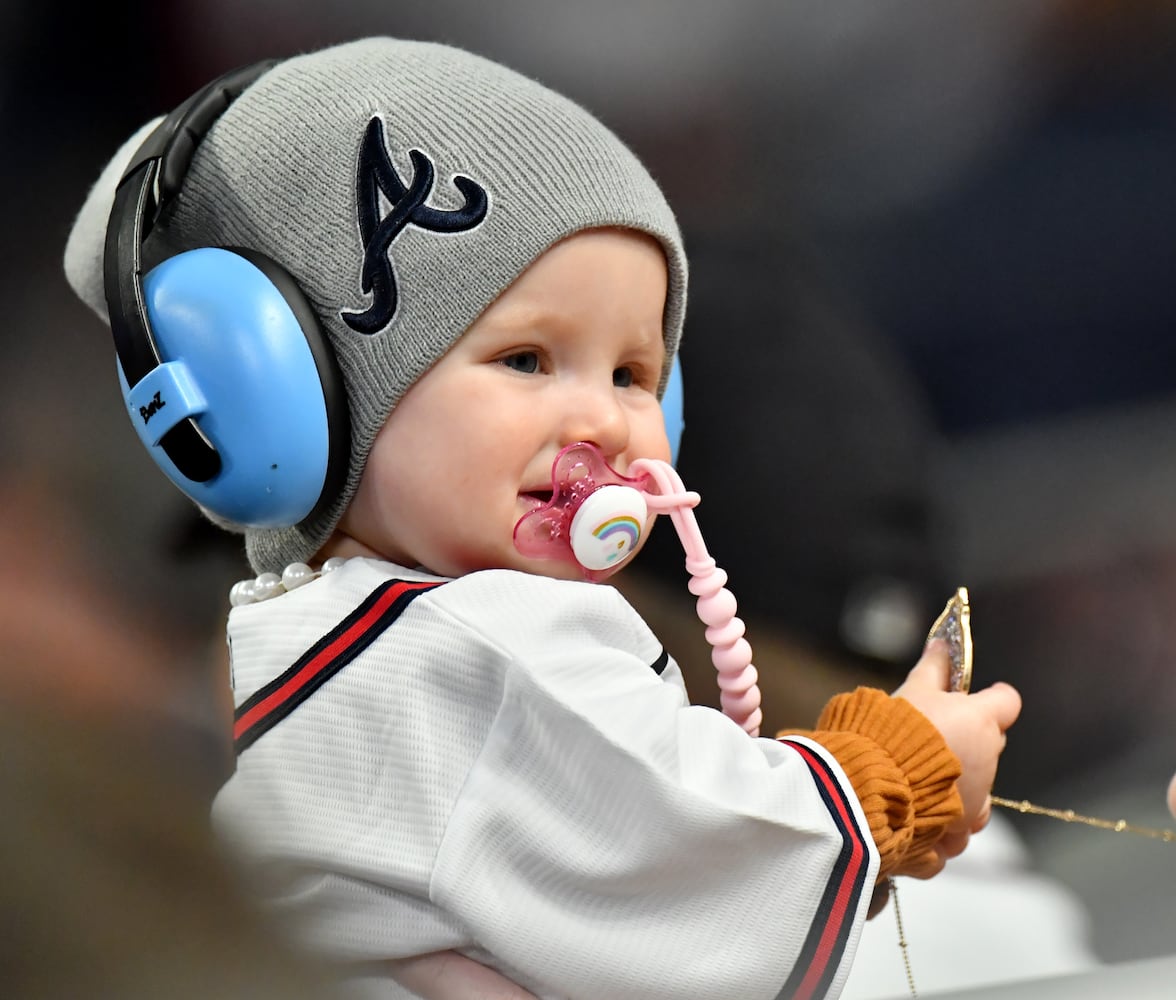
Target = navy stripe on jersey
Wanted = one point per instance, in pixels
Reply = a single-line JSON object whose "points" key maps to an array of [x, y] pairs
{"points": [[270, 704], [829, 932]]}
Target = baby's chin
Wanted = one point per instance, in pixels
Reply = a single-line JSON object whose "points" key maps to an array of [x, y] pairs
{"points": [[463, 564], [556, 568], [559, 569]]}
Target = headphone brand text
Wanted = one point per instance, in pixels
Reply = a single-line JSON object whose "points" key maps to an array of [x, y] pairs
{"points": [[153, 407]]}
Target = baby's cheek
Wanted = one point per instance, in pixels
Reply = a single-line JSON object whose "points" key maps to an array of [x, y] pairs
{"points": [[1172, 796]]}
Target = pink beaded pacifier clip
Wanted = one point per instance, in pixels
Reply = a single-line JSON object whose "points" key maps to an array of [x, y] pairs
{"points": [[596, 518]]}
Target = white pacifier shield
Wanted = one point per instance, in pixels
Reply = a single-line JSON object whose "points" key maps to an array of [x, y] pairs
{"points": [[607, 527]]}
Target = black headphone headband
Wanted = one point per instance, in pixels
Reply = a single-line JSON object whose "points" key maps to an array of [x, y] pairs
{"points": [[149, 183]]}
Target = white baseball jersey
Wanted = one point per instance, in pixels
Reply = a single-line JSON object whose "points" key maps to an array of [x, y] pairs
{"points": [[508, 765]]}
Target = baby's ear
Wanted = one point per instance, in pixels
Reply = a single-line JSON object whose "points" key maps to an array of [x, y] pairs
{"points": [[1172, 796], [87, 239]]}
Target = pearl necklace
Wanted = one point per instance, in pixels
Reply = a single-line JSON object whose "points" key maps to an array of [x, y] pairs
{"points": [[268, 585]]}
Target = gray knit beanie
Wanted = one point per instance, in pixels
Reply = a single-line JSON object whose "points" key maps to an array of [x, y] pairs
{"points": [[277, 174]]}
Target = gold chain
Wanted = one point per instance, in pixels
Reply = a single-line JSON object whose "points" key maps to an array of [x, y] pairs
{"points": [[902, 941], [1025, 806], [1069, 816]]}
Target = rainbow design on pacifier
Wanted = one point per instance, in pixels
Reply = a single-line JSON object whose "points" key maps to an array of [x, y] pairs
{"points": [[624, 526], [595, 518], [607, 527]]}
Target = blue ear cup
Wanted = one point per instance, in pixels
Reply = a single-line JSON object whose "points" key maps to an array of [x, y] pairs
{"points": [[229, 380], [673, 409], [245, 357]]}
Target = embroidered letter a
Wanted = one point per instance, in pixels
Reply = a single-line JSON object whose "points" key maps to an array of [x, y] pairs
{"points": [[375, 175]]}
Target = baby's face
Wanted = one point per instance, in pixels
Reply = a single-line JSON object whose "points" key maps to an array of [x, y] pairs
{"points": [[572, 351]]}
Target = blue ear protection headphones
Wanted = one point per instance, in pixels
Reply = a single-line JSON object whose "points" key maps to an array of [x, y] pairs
{"points": [[672, 409], [229, 380]]}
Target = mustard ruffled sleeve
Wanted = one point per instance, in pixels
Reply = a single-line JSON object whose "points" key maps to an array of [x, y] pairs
{"points": [[902, 771]]}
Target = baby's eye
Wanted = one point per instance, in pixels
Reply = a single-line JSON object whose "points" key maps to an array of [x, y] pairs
{"points": [[623, 377], [526, 362]]}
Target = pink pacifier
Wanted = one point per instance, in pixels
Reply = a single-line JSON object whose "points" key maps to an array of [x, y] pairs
{"points": [[595, 519]]}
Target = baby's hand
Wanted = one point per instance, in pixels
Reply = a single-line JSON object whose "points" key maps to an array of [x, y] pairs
{"points": [[972, 725]]}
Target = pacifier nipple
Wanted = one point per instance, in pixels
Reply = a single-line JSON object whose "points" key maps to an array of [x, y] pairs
{"points": [[595, 517]]}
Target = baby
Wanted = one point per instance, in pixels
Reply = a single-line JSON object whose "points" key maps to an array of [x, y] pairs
{"points": [[452, 734]]}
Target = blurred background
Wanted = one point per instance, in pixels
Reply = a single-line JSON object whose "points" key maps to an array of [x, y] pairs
{"points": [[929, 344]]}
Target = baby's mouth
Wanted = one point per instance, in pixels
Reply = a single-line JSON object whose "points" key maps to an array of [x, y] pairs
{"points": [[536, 498]]}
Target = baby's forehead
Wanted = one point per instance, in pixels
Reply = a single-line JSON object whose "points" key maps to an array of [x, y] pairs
{"points": [[611, 275]]}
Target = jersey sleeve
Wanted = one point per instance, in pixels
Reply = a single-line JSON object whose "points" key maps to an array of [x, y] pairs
{"points": [[612, 840]]}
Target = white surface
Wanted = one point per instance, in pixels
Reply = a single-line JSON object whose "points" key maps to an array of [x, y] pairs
{"points": [[986, 919], [1150, 979]]}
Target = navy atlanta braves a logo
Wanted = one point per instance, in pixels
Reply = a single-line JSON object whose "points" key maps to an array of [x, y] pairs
{"points": [[375, 176]]}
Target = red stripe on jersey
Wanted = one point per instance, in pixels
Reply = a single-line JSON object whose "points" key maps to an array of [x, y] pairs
{"points": [[277, 699], [833, 922]]}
